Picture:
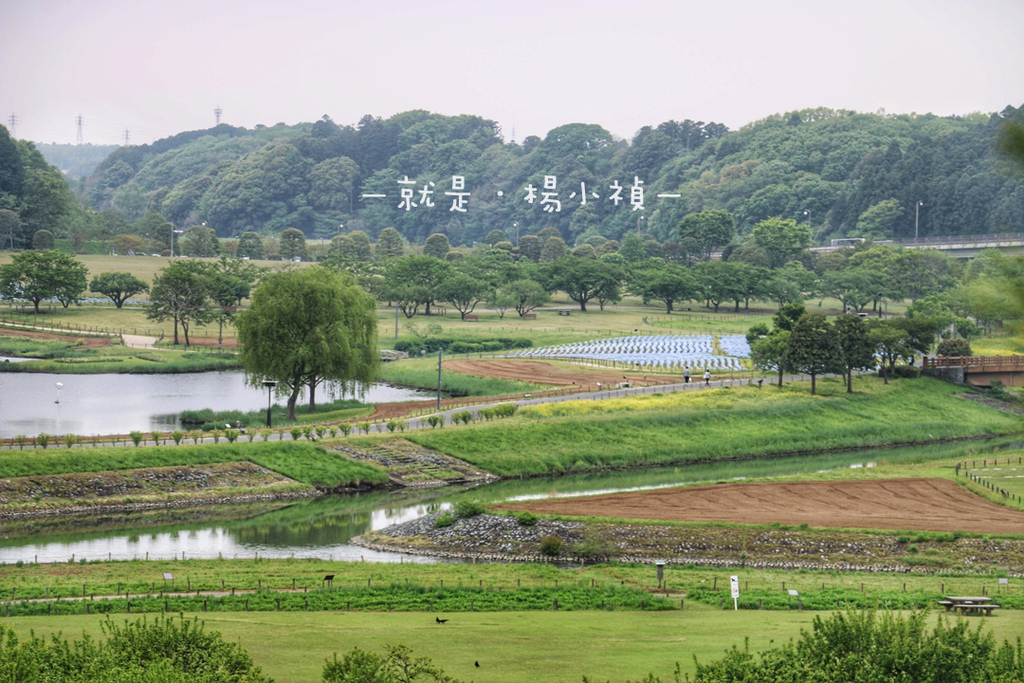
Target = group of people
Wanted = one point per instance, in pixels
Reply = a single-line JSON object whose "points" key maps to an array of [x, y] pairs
{"points": [[707, 376]]}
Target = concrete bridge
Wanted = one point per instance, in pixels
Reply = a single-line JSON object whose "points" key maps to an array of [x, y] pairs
{"points": [[979, 371], [958, 246]]}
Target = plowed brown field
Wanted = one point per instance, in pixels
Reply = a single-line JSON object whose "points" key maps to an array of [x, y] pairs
{"points": [[893, 504]]}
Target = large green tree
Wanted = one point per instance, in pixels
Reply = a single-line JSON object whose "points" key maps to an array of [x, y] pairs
{"points": [[119, 287], [306, 327], [782, 239], [709, 231], [813, 348], [181, 293], [38, 275], [584, 279]]}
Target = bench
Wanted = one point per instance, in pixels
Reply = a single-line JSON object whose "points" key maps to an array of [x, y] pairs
{"points": [[564, 311], [969, 605], [529, 316], [472, 318]]}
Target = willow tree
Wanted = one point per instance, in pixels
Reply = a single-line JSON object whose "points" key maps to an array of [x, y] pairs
{"points": [[306, 327]]}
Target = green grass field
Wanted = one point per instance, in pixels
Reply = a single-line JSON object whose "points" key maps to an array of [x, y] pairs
{"points": [[511, 647], [735, 422]]}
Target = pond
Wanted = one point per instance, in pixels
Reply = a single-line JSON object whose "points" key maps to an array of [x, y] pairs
{"points": [[323, 527], [33, 403]]}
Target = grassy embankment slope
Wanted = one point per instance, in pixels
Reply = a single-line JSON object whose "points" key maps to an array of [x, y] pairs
{"points": [[706, 425]]}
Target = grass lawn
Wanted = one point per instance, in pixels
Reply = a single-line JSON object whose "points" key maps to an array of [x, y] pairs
{"points": [[511, 647], [698, 426]]}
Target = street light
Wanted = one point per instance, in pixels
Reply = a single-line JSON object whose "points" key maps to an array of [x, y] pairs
{"points": [[917, 215], [515, 224], [269, 384], [807, 212], [340, 226], [173, 233], [638, 220], [60, 385]]}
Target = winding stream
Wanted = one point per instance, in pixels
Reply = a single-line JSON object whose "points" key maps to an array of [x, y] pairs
{"points": [[322, 527]]}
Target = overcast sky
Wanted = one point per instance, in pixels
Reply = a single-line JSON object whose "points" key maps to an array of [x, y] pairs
{"points": [[159, 69]]}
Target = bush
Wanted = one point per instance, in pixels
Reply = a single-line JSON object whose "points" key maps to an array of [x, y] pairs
{"points": [[136, 437], [551, 545], [70, 440], [435, 421], [469, 508], [446, 518], [296, 432], [954, 347], [396, 665], [345, 428], [526, 519], [464, 416], [177, 435]]}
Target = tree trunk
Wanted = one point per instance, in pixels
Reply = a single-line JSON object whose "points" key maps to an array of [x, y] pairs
{"points": [[780, 375], [312, 395], [292, 397], [813, 376]]}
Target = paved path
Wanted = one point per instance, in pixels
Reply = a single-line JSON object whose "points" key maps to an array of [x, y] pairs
{"points": [[138, 341]]}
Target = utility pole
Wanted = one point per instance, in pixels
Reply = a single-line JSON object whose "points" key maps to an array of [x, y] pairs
{"points": [[12, 123], [217, 112], [127, 136], [78, 137]]}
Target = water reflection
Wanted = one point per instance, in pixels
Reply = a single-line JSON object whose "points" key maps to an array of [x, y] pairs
{"points": [[118, 404], [322, 527]]}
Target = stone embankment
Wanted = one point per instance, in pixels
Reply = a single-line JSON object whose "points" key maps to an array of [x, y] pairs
{"points": [[501, 538]]}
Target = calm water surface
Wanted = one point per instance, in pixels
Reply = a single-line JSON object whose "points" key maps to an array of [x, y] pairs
{"points": [[32, 403]]}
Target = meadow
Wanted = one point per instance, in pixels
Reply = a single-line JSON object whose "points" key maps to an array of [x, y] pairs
{"points": [[707, 425]]}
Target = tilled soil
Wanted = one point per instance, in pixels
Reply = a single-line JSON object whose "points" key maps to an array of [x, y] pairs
{"points": [[896, 504], [541, 372]]}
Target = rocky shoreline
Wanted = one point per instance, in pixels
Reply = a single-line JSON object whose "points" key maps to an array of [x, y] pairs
{"points": [[501, 538]]}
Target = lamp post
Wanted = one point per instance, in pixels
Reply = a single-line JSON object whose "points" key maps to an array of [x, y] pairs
{"points": [[917, 216], [515, 224], [340, 226], [173, 233], [269, 384], [639, 219], [439, 352], [807, 212], [60, 385]]}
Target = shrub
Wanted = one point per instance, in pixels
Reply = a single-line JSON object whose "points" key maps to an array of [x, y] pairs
{"points": [[365, 426], [231, 435], [999, 392], [177, 435], [954, 347], [333, 431], [265, 433], [20, 439], [446, 518], [526, 519], [435, 421], [551, 545], [307, 431], [464, 416], [195, 435], [70, 440], [216, 434], [345, 428], [320, 431], [469, 508], [397, 664], [296, 432], [136, 437]]}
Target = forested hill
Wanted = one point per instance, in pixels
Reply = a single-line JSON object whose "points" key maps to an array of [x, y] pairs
{"points": [[849, 174]]}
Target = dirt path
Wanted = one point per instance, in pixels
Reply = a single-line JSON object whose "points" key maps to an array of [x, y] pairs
{"points": [[896, 504], [88, 342]]}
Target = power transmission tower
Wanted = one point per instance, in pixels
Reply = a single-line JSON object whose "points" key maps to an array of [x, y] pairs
{"points": [[127, 136], [217, 112], [78, 137], [12, 124]]}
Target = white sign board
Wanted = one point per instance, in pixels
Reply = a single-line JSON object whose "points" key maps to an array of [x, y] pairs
{"points": [[1004, 582], [735, 582], [793, 593]]}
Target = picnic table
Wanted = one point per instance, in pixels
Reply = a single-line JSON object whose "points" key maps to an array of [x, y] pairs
{"points": [[969, 604], [564, 311]]}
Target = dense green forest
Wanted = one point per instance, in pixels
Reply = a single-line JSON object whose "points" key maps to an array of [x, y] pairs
{"points": [[842, 173]]}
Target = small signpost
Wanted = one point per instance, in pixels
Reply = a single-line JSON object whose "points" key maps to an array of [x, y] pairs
{"points": [[168, 577], [734, 582]]}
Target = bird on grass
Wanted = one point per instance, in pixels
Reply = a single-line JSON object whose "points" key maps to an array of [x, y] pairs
{"points": [[440, 620], [476, 664]]}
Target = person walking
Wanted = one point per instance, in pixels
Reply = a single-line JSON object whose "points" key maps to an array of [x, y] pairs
{"points": [[686, 375], [707, 378]]}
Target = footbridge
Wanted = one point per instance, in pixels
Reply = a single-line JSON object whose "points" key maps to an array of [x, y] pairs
{"points": [[958, 246], [978, 371]]}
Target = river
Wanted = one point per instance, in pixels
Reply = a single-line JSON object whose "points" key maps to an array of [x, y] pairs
{"points": [[322, 527], [86, 405]]}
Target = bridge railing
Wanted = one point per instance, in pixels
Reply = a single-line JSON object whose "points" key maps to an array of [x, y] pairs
{"points": [[976, 363]]}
